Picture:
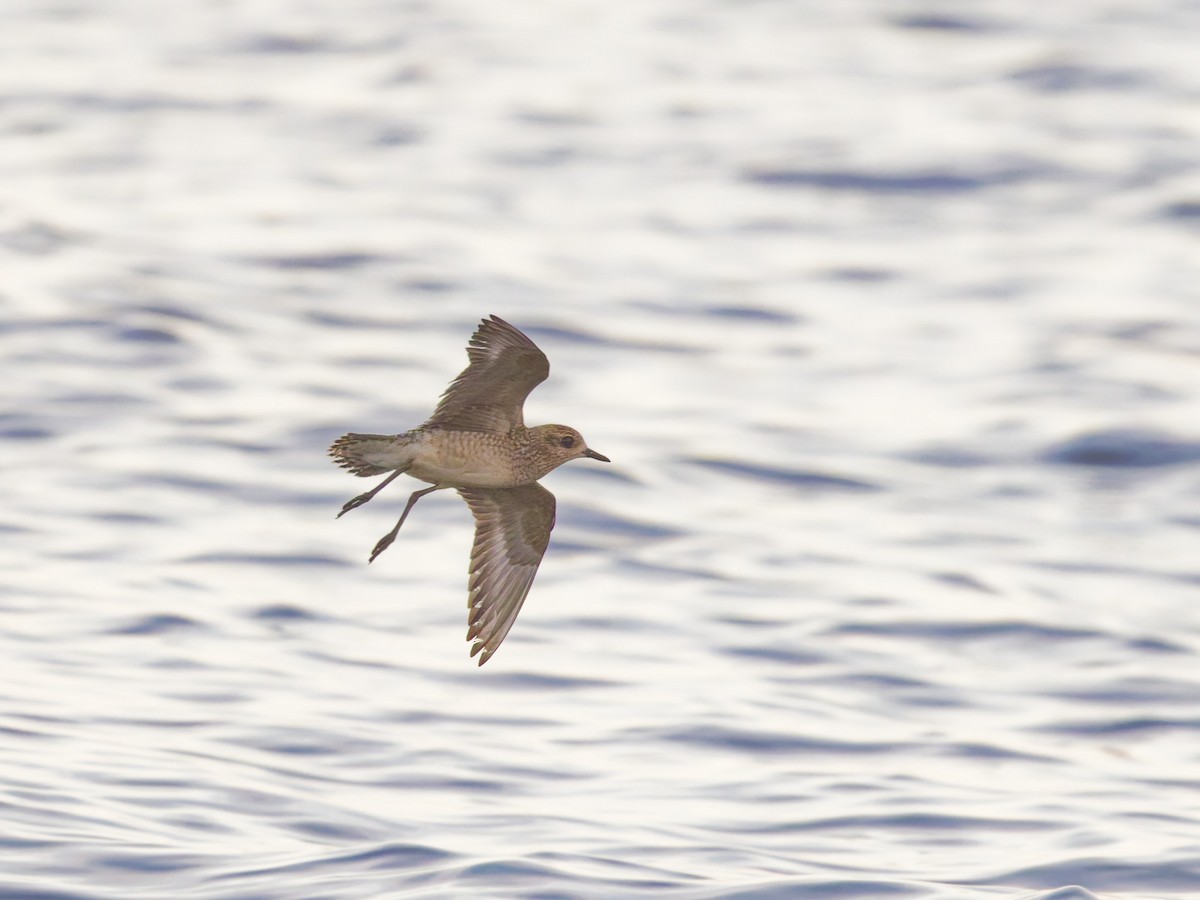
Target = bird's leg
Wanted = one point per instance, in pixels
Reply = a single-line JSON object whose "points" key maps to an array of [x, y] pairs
{"points": [[363, 498], [386, 540]]}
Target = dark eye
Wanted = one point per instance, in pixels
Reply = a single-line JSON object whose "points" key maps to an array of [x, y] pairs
{"points": [[567, 442]]}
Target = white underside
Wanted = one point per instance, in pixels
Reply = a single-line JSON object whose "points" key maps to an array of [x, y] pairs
{"points": [[457, 476], [419, 457]]}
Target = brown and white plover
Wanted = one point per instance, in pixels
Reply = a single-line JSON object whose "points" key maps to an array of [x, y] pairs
{"points": [[476, 442]]}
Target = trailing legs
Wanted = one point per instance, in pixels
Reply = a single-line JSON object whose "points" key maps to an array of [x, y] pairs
{"points": [[386, 540], [363, 498]]}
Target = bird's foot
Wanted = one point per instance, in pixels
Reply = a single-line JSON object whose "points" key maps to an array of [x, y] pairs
{"points": [[363, 498], [355, 503], [384, 543]]}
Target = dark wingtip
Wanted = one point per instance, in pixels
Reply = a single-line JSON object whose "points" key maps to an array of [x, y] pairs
{"points": [[476, 647]]}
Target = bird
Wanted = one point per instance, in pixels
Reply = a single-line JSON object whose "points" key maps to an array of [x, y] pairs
{"points": [[477, 443]]}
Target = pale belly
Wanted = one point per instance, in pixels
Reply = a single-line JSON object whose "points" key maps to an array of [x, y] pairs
{"points": [[457, 463]]}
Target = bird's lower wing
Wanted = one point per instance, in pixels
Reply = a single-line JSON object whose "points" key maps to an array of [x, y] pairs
{"points": [[512, 531]]}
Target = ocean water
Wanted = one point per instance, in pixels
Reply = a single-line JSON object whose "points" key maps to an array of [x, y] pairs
{"points": [[888, 315]]}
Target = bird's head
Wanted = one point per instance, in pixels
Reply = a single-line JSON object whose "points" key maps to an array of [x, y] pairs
{"points": [[559, 444]]}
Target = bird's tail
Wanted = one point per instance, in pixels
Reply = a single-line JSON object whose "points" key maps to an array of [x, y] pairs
{"points": [[369, 454]]}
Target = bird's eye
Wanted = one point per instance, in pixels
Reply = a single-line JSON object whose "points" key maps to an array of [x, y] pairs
{"points": [[567, 442]]}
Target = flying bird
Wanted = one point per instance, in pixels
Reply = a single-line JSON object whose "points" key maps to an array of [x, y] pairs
{"points": [[477, 442]]}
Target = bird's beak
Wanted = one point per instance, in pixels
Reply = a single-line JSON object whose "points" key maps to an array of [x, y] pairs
{"points": [[594, 455]]}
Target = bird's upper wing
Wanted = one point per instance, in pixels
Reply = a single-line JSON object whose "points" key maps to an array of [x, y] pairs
{"points": [[512, 529], [489, 393]]}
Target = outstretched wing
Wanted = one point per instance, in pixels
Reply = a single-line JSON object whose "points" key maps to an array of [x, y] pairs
{"points": [[512, 530], [505, 366]]}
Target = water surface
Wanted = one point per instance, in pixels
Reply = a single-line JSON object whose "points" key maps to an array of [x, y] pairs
{"points": [[886, 314]]}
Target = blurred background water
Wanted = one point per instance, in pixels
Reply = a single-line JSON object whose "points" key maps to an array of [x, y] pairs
{"points": [[887, 313]]}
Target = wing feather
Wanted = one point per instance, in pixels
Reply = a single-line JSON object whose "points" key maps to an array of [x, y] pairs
{"points": [[512, 531], [489, 394]]}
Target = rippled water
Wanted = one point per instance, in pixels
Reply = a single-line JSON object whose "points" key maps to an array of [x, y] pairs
{"points": [[886, 313]]}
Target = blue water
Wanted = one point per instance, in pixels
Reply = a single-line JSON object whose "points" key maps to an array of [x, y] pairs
{"points": [[887, 314]]}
